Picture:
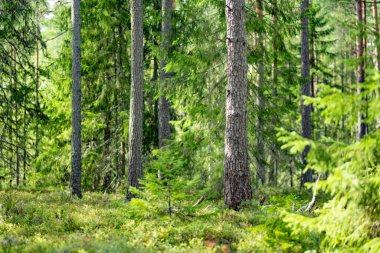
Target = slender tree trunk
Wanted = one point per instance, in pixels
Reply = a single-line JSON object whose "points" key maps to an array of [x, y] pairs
{"points": [[10, 119], [260, 99], [271, 177], [76, 139], [17, 139], [377, 50], [107, 154], [164, 127], [306, 87], [122, 95], [136, 105], [36, 98], [237, 177], [291, 174], [24, 160], [362, 126]]}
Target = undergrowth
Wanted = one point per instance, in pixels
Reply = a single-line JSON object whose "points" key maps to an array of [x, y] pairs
{"points": [[55, 222]]}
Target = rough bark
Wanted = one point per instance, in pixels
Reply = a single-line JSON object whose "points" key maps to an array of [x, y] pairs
{"points": [[136, 104], [362, 126], [306, 87], [237, 178], [164, 127], [76, 145], [260, 157]]}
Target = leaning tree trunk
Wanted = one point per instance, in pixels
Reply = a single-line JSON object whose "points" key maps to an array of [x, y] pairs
{"points": [[362, 126], [76, 146], [136, 105], [164, 127], [237, 178], [260, 99], [306, 87]]}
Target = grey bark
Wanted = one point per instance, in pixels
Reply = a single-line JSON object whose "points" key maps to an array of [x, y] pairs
{"points": [[306, 87], [260, 157], [76, 144], [164, 127], [362, 126], [136, 104], [237, 177]]}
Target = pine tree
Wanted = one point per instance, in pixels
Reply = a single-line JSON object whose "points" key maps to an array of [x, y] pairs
{"points": [[306, 87], [237, 178], [136, 107], [76, 139]]}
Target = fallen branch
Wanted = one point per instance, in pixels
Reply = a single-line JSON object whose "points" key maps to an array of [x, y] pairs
{"points": [[199, 201], [310, 205]]}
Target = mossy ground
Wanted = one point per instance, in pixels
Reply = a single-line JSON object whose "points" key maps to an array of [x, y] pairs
{"points": [[55, 222]]}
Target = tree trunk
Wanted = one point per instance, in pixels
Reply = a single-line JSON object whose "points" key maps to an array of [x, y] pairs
{"points": [[306, 87], [76, 145], [377, 41], [164, 127], [107, 154], [36, 98], [136, 104], [17, 140], [271, 177], [237, 177], [260, 99], [362, 126]]}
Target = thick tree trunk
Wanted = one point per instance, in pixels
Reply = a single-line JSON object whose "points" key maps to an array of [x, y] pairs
{"points": [[362, 126], [136, 105], [76, 142], [237, 176], [164, 127], [306, 87], [260, 99]]}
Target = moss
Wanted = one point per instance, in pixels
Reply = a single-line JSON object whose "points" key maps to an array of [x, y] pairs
{"points": [[55, 222]]}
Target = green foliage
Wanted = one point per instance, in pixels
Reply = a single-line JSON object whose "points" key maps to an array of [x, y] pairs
{"points": [[56, 222], [349, 222]]}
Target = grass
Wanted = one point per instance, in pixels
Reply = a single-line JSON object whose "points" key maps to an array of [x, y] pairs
{"points": [[55, 222]]}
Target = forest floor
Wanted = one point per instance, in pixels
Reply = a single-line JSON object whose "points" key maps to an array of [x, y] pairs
{"points": [[52, 221]]}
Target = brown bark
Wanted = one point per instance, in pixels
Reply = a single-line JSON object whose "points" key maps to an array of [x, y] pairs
{"points": [[237, 178], [362, 126], [136, 105]]}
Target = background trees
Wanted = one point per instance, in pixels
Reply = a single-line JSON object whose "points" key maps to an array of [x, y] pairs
{"points": [[296, 88]]}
